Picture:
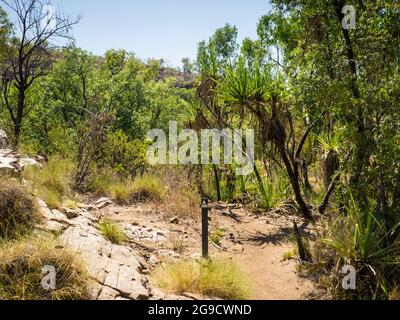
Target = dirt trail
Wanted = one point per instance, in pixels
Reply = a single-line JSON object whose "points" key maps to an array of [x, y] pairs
{"points": [[256, 243]]}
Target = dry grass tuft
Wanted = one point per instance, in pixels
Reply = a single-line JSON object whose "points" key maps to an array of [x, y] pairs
{"points": [[53, 182], [214, 278], [182, 199], [21, 271], [18, 212]]}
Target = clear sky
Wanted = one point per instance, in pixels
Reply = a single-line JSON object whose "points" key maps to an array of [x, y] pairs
{"points": [[168, 29]]}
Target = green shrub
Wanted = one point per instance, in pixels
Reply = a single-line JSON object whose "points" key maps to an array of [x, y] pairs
{"points": [[18, 212], [290, 255], [127, 157], [21, 265], [270, 193], [213, 278], [361, 240]]}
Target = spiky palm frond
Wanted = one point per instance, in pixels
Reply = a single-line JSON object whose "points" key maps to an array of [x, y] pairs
{"points": [[362, 239], [244, 84]]}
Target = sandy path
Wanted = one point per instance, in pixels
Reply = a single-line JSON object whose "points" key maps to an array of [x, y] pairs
{"points": [[256, 244], [260, 254]]}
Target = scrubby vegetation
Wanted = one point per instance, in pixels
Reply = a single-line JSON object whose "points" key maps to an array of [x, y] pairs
{"points": [[322, 100], [213, 278], [18, 213], [112, 231], [53, 182]]}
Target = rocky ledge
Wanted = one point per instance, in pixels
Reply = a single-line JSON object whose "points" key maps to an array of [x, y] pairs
{"points": [[117, 271], [11, 163]]}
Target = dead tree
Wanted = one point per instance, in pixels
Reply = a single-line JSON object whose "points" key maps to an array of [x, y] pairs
{"points": [[28, 54]]}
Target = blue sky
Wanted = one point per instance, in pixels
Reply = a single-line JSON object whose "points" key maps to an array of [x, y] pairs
{"points": [[168, 29]]}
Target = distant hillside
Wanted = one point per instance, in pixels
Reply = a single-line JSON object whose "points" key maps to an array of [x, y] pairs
{"points": [[183, 79]]}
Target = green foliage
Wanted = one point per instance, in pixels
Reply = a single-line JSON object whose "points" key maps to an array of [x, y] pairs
{"points": [[126, 157], [217, 235], [364, 241], [219, 51], [115, 60], [245, 84], [112, 232], [290, 255], [188, 66]]}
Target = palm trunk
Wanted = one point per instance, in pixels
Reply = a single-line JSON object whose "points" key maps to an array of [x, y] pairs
{"points": [[294, 181]]}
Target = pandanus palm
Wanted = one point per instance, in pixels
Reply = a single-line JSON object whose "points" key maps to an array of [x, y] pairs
{"points": [[330, 158], [251, 87]]}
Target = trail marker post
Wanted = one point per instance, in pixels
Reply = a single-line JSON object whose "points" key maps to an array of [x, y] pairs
{"points": [[204, 227]]}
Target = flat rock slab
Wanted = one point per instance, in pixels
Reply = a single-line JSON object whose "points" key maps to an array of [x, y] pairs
{"points": [[115, 269]]}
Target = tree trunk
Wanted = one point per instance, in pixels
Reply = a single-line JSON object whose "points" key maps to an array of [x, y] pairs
{"points": [[304, 254], [306, 181], [19, 116], [217, 186], [294, 181]]}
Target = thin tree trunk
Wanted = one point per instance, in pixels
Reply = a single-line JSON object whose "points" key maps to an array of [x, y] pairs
{"points": [[19, 116], [217, 186], [304, 254], [325, 202], [294, 181]]}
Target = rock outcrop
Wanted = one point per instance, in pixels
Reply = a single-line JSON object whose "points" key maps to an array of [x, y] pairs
{"points": [[117, 270], [3, 140], [11, 162]]}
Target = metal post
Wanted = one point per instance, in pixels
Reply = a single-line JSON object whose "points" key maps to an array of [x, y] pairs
{"points": [[204, 220]]}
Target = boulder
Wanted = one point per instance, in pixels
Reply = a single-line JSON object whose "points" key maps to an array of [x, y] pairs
{"points": [[7, 170], [3, 140], [102, 203], [28, 162], [8, 162]]}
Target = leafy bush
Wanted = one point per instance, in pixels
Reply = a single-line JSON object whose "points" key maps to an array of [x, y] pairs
{"points": [[21, 265], [112, 231], [213, 278], [361, 240], [147, 188], [126, 157], [17, 210], [53, 182]]}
